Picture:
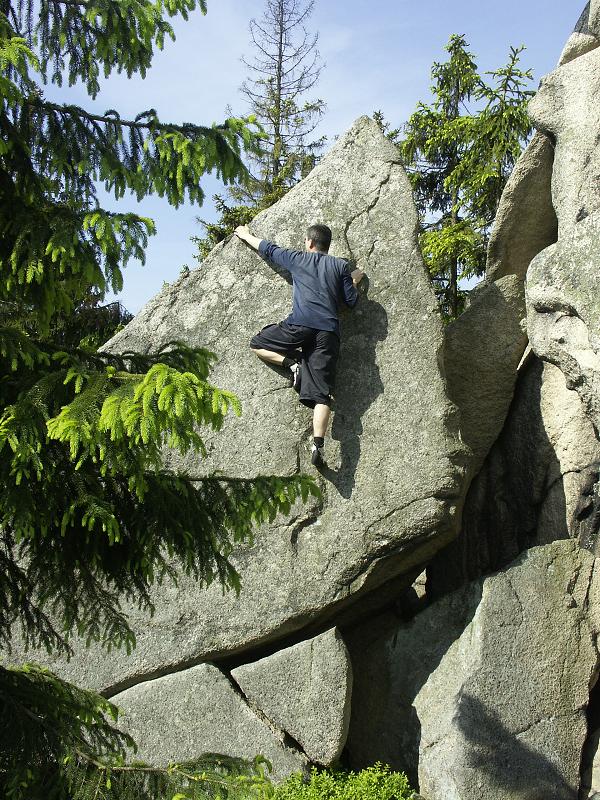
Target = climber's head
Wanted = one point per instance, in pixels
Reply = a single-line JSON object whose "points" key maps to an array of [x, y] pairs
{"points": [[318, 239]]}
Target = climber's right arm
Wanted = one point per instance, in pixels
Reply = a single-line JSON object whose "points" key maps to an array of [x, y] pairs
{"points": [[243, 233], [288, 260]]}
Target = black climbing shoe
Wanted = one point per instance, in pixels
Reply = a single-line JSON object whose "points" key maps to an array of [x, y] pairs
{"points": [[316, 456]]}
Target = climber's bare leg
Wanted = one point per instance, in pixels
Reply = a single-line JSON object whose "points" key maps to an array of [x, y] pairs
{"points": [[321, 416], [269, 356]]}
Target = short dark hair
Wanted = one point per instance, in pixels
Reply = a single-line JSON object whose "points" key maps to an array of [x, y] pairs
{"points": [[320, 236]]}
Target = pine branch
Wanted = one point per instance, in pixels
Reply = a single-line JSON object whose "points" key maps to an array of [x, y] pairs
{"points": [[99, 483], [75, 748], [153, 124]]}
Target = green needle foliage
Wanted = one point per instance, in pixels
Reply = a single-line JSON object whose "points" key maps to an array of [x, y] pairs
{"points": [[50, 716], [459, 151], [89, 516]]}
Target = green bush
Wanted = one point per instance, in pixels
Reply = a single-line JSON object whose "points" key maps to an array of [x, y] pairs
{"points": [[375, 783]]}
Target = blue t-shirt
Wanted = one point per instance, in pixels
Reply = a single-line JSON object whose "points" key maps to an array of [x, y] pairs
{"points": [[319, 281]]}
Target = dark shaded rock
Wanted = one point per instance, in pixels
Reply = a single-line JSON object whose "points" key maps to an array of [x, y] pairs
{"points": [[489, 685], [530, 488], [583, 23]]}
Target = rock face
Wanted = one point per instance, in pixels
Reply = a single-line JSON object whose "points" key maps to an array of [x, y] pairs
{"points": [[525, 221], [586, 35], [496, 710], [515, 702], [395, 462], [306, 690], [392, 660], [578, 45], [564, 313], [454, 457], [482, 351], [180, 716], [535, 486], [567, 107]]}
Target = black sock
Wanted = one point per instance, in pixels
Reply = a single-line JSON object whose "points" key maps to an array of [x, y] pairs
{"points": [[319, 441], [289, 362]]}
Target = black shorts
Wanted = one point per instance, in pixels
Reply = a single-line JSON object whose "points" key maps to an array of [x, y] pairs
{"points": [[317, 350]]}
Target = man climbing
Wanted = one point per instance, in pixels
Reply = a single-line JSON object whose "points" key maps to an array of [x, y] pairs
{"points": [[308, 341]]}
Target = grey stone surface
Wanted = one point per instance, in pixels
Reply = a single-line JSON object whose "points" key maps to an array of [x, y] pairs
{"points": [[181, 716], [578, 44], [586, 35], [496, 708], [563, 310], [482, 351], [395, 467], [538, 483], [391, 660], [525, 222], [306, 690], [583, 23], [594, 17], [503, 715], [567, 106]]}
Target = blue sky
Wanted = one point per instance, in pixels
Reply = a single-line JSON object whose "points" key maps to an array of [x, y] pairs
{"points": [[377, 55]]}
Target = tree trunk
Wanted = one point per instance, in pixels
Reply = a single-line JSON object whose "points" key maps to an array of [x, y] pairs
{"points": [[277, 143], [453, 286]]}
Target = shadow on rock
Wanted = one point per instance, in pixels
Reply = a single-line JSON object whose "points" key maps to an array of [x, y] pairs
{"points": [[516, 501], [510, 765], [358, 384], [391, 661]]}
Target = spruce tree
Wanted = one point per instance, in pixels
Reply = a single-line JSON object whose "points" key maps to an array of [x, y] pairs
{"points": [[284, 67], [88, 513], [459, 151]]}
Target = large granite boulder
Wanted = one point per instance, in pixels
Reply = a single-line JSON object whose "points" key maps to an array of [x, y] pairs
{"points": [[490, 684], [395, 461], [525, 222], [567, 108], [179, 717], [306, 691], [391, 660], [563, 317], [483, 347], [577, 45], [586, 35], [482, 350], [513, 689]]}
